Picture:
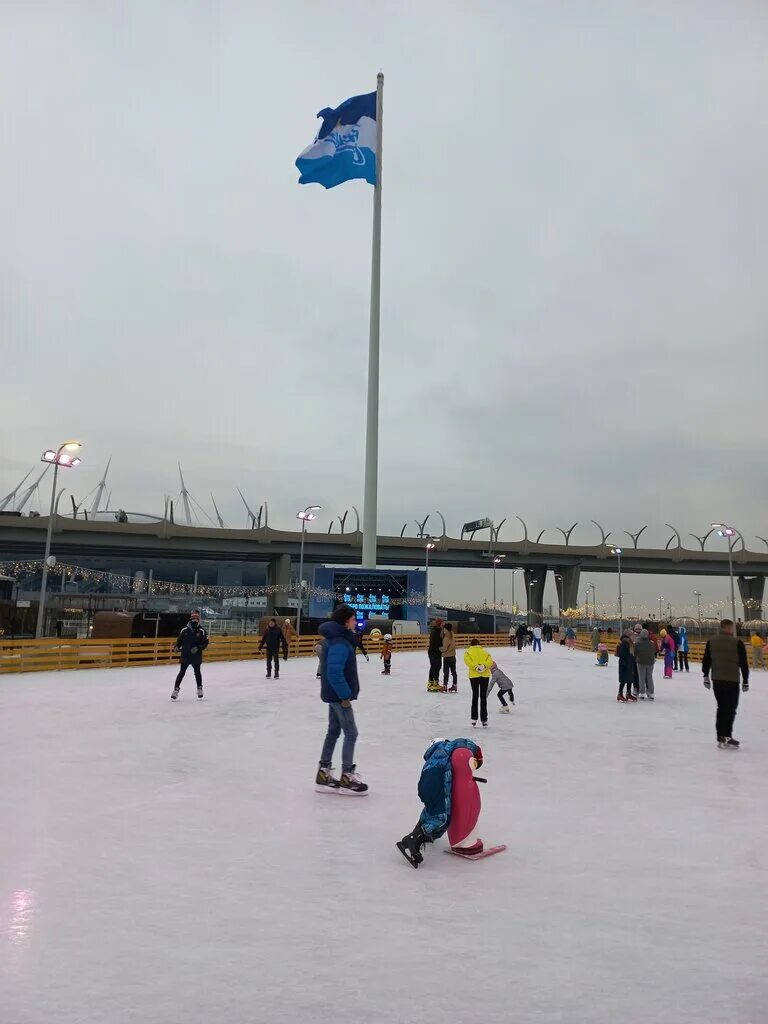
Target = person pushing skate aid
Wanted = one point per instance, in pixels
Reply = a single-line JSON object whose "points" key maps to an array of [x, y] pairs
{"points": [[451, 797]]}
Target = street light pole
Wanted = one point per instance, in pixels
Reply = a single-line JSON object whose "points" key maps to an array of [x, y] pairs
{"points": [[514, 606], [660, 611], [591, 587], [730, 533], [697, 593], [306, 516], [617, 552], [429, 546], [560, 600], [496, 560], [61, 457], [530, 601]]}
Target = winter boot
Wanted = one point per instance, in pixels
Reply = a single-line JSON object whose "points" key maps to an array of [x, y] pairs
{"points": [[727, 743], [411, 846], [325, 781], [352, 785]]}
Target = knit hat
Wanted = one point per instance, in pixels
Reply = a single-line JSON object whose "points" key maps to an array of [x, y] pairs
{"points": [[643, 634]]}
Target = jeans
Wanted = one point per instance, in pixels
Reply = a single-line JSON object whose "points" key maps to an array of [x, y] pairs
{"points": [[479, 690], [758, 659], [537, 644], [645, 676], [435, 660], [270, 658], [727, 697], [449, 668], [183, 666], [340, 720], [500, 695]]}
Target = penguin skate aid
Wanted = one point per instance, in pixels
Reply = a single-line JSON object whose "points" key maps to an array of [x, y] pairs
{"points": [[449, 792]]}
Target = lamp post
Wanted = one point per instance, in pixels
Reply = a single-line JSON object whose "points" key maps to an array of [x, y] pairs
{"points": [[697, 595], [61, 457], [306, 516], [729, 533], [591, 586], [560, 593], [661, 599], [496, 560], [514, 606], [429, 546], [617, 552]]}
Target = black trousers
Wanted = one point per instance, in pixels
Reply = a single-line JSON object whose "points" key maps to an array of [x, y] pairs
{"points": [[479, 690], [183, 666], [435, 660], [500, 695], [727, 697], [520, 641], [449, 668], [276, 658], [682, 660]]}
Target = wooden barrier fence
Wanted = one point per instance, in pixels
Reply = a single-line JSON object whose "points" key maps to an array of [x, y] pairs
{"points": [[54, 654]]}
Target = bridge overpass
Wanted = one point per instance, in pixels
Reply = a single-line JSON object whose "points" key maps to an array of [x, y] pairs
{"points": [[228, 557]]}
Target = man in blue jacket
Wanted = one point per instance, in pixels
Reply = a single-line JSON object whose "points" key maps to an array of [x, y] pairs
{"points": [[339, 686], [191, 643]]}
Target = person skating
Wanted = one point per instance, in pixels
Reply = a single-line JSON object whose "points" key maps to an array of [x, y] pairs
{"points": [[386, 654], [668, 648], [595, 638], [435, 657], [359, 643], [521, 633], [288, 634], [626, 663], [682, 649], [644, 650], [504, 683], [318, 652], [275, 642], [448, 652], [725, 656], [478, 662], [191, 643], [339, 686], [758, 656], [570, 638], [537, 638], [445, 807]]}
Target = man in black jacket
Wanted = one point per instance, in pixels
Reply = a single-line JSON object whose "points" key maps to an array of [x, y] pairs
{"points": [[725, 656], [275, 642], [191, 643], [435, 654]]}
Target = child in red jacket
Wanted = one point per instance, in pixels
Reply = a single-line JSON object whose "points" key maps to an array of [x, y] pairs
{"points": [[386, 654]]}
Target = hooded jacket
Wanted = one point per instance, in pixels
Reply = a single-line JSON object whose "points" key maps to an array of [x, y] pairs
{"points": [[274, 640], [682, 639], [191, 643], [338, 664], [448, 647], [626, 661]]}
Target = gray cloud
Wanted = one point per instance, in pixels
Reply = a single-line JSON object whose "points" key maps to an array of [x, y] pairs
{"points": [[573, 267]]}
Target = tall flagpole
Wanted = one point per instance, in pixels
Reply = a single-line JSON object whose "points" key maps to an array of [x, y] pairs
{"points": [[370, 499]]}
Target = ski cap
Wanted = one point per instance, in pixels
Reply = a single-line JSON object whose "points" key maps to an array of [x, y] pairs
{"points": [[387, 636]]}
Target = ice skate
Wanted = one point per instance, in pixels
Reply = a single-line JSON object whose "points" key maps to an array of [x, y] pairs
{"points": [[352, 785], [175, 694], [632, 698], [651, 697], [503, 711], [485, 725], [411, 846], [728, 743], [325, 781], [642, 696], [199, 693], [621, 697], [474, 723], [454, 689]]}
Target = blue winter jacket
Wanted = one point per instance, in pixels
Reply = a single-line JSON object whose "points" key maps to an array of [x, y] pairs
{"points": [[435, 785], [338, 666], [682, 639]]}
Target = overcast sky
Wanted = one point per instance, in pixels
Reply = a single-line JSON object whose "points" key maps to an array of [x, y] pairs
{"points": [[574, 258]]}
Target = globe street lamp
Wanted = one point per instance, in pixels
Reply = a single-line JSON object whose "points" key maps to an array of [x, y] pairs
{"points": [[429, 546], [64, 457], [617, 552], [496, 560], [306, 516], [729, 533]]}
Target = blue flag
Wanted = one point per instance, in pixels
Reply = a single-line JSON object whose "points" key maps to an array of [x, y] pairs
{"points": [[345, 146]]}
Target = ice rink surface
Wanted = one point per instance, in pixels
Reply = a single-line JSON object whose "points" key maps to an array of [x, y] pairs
{"points": [[170, 863]]}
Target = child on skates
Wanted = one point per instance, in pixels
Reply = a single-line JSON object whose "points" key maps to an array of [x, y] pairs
{"points": [[504, 684], [386, 654]]}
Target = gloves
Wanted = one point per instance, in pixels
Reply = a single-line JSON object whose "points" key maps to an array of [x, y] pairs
{"points": [[194, 650], [744, 687], [367, 658], [707, 682]]}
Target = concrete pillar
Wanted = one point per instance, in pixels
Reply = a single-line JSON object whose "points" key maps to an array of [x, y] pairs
{"points": [[751, 590], [278, 575], [535, 593], [568, 590]]}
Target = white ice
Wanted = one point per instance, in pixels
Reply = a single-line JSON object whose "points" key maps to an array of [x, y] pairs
{"points": [[164, 863]]}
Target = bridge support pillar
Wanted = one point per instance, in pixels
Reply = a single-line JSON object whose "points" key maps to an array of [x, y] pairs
{"points": [[535, 592], [568, 590], [229, 576], [279, 576], [751, 590]]}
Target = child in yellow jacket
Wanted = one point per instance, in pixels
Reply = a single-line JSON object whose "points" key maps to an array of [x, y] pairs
{"points": [[479, 663]]}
